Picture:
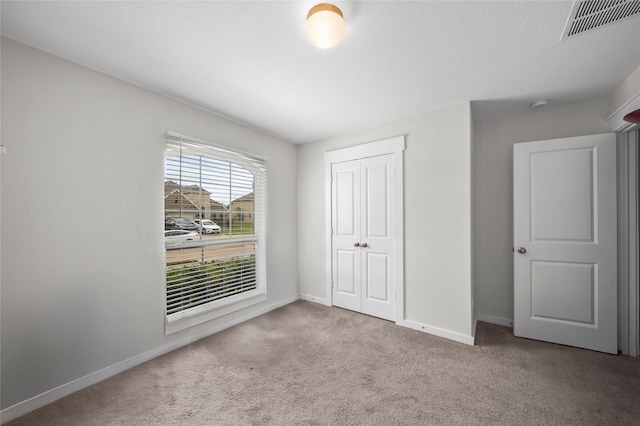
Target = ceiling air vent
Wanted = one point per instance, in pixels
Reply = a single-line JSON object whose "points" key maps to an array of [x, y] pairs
{"points": [[589, 14]]}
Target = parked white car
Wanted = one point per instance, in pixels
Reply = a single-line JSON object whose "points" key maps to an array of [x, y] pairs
{"points": [[207, 226], [174, 237]]}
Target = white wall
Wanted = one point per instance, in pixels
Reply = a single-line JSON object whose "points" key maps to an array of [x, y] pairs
{"points": [[82, 253], [493, 194], [437, 197], [627, 91]]}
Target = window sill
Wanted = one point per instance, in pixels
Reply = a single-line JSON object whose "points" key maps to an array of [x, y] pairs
{"points": [[201, 314]]}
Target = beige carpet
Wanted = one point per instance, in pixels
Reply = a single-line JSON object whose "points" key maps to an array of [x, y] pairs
{"points": [[306, 364]]}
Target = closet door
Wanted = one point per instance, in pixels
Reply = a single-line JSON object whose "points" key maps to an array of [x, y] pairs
{"points": [[376, 224], [346, 253], [363, 236]]}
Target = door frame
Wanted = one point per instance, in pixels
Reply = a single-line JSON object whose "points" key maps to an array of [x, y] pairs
{"points": [[628, 279], [628, 222], [393, 146]]}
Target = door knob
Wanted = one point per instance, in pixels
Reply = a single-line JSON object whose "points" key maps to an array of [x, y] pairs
{"points": [[522, 250], [356, 244], [365, 245]]}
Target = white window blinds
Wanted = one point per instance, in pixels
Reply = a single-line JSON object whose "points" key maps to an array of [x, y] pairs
{"points": [[214, 206]]}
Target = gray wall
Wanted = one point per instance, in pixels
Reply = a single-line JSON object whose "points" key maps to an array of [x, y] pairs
{"points": [[82, 253], [492, 189], [437, 215], [627, 91]]}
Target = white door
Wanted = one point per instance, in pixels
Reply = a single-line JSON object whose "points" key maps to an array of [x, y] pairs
{"points": [[363, 236], [565, 239], [346, 252]]}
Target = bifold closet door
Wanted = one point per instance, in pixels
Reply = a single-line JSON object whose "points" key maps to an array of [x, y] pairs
{"points": [[363, 236]]}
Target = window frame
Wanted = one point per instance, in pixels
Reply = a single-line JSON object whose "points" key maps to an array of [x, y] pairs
{"points": [[258, 167]]}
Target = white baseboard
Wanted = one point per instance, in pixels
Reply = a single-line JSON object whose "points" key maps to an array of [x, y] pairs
{"points": [[61, 391], [495, 320], [314, 299], [468, 340], [451, 335]]}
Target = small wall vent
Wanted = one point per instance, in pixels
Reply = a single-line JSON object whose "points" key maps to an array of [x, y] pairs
{"points": [[589, 14]]}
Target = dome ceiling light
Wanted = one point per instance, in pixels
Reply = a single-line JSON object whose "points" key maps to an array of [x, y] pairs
{"points": [[539, 103], [633, 117], [325, 25]]}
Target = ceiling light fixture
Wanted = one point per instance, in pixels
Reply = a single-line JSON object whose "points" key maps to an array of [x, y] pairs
{"points": [[633, 117], [325, 25], [539, 103]]}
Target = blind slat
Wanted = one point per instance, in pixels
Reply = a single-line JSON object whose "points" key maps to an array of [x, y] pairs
{"points": [[185, 281], [187, 300], [190, 296]]}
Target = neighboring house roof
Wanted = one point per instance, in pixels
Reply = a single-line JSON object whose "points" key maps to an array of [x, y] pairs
{"points": [[170, 186], [216, 206], [175, 195], [248, 197]]}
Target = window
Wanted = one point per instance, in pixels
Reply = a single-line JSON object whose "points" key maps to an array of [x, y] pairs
{"points": [[215, 197]]}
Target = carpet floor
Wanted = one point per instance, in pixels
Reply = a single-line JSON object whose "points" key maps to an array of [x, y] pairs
{"points": [[307, 364]]}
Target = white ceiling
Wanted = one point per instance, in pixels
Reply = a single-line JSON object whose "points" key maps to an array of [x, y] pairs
{"points": [[250, 61]]}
